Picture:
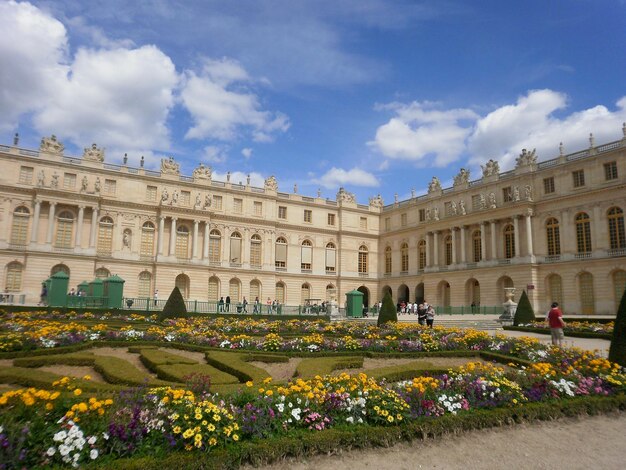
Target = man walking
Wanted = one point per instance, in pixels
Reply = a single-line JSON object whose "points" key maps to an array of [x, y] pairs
{"points": [[555, 319]]}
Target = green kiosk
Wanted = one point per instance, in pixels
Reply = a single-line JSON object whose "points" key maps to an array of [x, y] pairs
{"points": [[354, 304]]}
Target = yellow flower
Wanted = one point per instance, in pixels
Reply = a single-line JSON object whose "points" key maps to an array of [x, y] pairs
{"points": [[249, 383], [235, 437], [176, 430], [87, 377], [78, 391]]}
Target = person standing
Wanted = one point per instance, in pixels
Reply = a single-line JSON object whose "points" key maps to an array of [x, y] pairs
{"points": [[421, 313], [156, 297], [257, 305], [228, 303], [220, 305], [555, 319], [245, 305], [269, 305], [43, 297], [430, 316]]}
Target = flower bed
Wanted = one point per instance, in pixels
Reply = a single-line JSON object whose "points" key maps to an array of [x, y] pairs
{"points": [[573, 328]]}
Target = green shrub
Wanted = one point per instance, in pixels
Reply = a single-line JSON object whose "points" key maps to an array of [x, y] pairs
{"points": [[174, 307], [325, 365], [617, 351], [388, 311], [237, 364], [524, 313]]}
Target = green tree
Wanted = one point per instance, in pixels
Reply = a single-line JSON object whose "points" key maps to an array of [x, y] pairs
{"points": [[174, 307], [617, 351], [388, 312], [524, 313]]}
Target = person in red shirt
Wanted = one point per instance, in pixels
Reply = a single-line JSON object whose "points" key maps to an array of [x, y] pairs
{"points": [[555, 320]]}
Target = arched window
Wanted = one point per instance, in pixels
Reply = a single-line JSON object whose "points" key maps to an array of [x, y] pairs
{"points": [[215, 246], [13, 281], [617, 238], [255, 290], [60, 268], [105, 235], [102, 273], [554, 237], [147, 240], [362, 260], [583, 233], [330, 291], [281, 253], [182, 242], [235, 249], [182, 282], [421, 254], [234, 290], [619, 286], [509, 241], [144, 287], [587, 298], [555, 284], [305, 293], [280, 292], [331, 258], [477, 249], [307, 255], [214, 289], [65, 222], [19, 227], [448, 243], [404, 257], [255, 252], [388, 264]]}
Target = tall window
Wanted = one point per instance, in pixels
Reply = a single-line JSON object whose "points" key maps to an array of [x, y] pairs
{"points": [[182, 242], [258, 208], [587, 300], [69, 181], [238, 206], [215, 246], [448, 242], [363, 223], [331, 219], [105, 235], [255, 251], [308, 216], [102, 273], [421, 254], [548, 185], [610, 171], [388, 265], [507, 194], [151, 193], [214, 289], [281, 253], [255, 290], [422, 215], [234, 290], [579, 178], [307, 255], [403, 220], [147, 239], [13, 281], [583, 233], [280, 293], [329, 291], [19, 227], [60, 268], [556, 289], [235, 247], [509, 241], [65, 221], [362, 260], [144, 287], [305, 293], [282, 212], [404, 257], [617, 239], [619, 285], [387, 224], [554, 238], [26, 175], [331, 263], [217, 202], [477, 249], [182, 282]]}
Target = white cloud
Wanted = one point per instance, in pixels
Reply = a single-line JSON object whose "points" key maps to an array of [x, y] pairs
{"points": [[422, 131], [239, 177], [221, 108], [247, 153], [33, 52], [336, 177], [215, 153]]}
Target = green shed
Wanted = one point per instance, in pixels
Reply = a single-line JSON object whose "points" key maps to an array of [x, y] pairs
{"points": [[113, 291], [57, 289], [354, 304]]}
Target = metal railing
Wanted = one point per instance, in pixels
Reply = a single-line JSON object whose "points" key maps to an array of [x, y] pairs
{"points": [[86, 301]]}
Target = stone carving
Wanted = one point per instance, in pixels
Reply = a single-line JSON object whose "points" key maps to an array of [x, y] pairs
{"points": [[436, 213], [207, 201], [295, 188], [427, 215], [528, 192], [462, 210], [51, 145], [41, 179], [198, 201], [202, 172], [97, 185], [126, 238], [526, 158], [94, 153], [271, 184], [434, 185], [248, 180], [55, 181], [376, 201], [483, 202], [492, 201], [462, 177], [412, 193], [175, 197], [169, 166], [516, 193], [490, 168], [453, 208], [345, 196], [228, 177], [164, 195], [395, 199], [319, 192], [84, 183]]}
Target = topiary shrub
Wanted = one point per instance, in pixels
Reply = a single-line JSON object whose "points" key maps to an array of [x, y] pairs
{"points": [[174, 307], [617, 351], [524, 313], [388, 311]]}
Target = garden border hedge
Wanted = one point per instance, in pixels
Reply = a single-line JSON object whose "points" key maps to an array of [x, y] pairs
{"points": [[573, 334]]}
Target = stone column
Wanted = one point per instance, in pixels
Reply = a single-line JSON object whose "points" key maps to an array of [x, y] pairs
{"points": [[50, 222], [205, 244], [35, 228], [529, 233], [463, 248], [94, 227], [428, 263], [454, 230], [516, 235], [483, 241], [160, 235], [79, 227], [596, 240], [494, 246], [436, 247], [194, 243], [172, 251]]}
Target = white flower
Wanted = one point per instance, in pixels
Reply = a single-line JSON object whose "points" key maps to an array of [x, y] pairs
{"points": [[1, 429], [60, 436], [93, 454], [280, 407], [105, 436], [91, 440], [350, 419], [64, 450], [51, 451], [296, 413]]}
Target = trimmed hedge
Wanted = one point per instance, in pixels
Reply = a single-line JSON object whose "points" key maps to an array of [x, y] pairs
{"points": [[323, 366], [406, 371], [524, 312], [27, 377], [236, 364], [573, 334], [388, 311]]}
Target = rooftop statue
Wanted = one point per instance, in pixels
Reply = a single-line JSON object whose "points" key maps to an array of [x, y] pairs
{"points": [[434, 185], [526, 158], [202, 172], [345, 196], [462, 177], [94, 153], [51, 145], [376, 201], [169, 166], [490, 168], [271, 184]]}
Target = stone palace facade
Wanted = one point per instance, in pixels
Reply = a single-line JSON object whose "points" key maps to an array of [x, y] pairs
{"points": [[552, 227]]}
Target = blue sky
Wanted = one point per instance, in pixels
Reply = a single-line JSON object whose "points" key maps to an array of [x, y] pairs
{"points": [[376, 96]]}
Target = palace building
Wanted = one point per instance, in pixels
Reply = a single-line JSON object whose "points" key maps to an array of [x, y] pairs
{"points": [[553, 227]]}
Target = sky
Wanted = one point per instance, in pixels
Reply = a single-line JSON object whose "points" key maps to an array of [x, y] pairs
{"points": [[376, 96]]}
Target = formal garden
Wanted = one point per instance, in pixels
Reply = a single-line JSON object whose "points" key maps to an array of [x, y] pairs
{"points": [[110, 390]]}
